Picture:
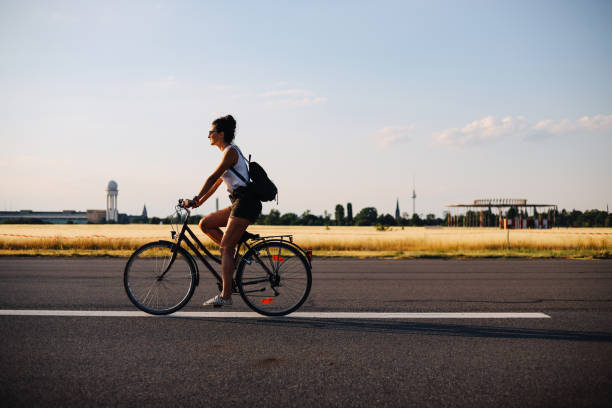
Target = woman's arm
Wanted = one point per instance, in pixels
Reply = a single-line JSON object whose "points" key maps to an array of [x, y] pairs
{"points": [[199, 201], [214, 180]]}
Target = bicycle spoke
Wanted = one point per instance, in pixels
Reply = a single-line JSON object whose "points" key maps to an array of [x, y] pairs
{"points": [[287, 287], [142, 284]]}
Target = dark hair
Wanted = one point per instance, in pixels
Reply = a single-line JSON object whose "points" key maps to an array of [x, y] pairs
{"points": [[227, 125]]}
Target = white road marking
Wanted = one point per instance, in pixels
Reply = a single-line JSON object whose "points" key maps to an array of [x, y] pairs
{"points": [[309, 315]]}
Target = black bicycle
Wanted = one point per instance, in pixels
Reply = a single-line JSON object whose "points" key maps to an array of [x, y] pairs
{"points": [[273, 273]]}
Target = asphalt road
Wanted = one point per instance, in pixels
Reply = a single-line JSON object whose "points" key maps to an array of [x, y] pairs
{"points": [[91, 361]]}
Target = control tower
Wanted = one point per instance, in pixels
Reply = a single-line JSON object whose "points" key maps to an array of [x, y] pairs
{"points": [[112, 214]]}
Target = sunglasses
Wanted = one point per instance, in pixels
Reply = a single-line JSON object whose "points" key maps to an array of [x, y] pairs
{"points": [[210, 132]]}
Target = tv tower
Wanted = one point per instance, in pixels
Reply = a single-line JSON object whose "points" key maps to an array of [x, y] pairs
{"points": [[413, 198]]}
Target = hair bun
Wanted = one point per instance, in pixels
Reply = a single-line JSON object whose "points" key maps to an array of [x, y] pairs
{"points": [[227, 125], [231, 121]]}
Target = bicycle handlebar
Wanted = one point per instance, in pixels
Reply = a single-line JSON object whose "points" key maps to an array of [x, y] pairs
{"points": [[180, 206]]}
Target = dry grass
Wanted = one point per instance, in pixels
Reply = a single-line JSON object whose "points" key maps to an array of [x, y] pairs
{"points": [[120, 240]]}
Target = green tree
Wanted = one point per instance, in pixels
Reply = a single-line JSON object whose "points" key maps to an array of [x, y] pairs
{"points": [[386, 219], [511, 213], [367, 216], [349, 214], [273, 218], [339, 214], [309, 219], [194, 219], [289, 219]]}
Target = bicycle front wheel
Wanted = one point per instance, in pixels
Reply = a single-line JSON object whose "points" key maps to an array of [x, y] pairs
{"points": [[274, 278], [152, 286]]}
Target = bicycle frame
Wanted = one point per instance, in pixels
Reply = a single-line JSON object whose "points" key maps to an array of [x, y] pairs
{"points": [[186, 233]]}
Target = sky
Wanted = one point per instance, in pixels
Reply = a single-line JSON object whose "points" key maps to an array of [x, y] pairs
{"points": [[342, 101]]}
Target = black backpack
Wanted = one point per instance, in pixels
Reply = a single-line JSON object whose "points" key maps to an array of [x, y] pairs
{"points": [[260, 185]]}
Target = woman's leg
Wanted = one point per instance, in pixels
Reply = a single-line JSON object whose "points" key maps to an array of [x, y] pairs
{"points": [[210, 225], [233, 233]]}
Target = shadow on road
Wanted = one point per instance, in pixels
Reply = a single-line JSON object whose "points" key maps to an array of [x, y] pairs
{"points": [[428, 329]]}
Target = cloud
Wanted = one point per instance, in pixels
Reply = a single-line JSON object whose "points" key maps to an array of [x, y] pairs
{"points": [[490, 129], [483, 130], [595, 124], [292, 97], [390, 135]]}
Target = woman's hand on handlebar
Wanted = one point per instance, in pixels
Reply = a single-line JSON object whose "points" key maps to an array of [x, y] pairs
{"points": [[189, 203]]}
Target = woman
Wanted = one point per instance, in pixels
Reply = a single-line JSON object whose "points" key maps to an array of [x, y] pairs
{"points": [[244, 210]]}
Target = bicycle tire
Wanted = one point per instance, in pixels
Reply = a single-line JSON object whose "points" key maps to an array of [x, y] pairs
{"points": [[145, 289], [278, 294]]}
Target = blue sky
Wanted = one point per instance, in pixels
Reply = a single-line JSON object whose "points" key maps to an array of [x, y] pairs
{"points": [[341, 103]]}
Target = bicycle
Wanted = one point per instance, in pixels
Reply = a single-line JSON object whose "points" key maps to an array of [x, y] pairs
{"points": [[273, 275]]}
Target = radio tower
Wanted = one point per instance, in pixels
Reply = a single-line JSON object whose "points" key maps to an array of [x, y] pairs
{"points": [[413, 198]]}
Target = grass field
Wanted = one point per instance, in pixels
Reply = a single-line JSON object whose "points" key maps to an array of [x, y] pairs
{"points": [[415, 242]]}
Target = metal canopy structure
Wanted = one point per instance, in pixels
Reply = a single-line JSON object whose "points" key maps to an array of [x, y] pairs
{"points": [[480, 214]]}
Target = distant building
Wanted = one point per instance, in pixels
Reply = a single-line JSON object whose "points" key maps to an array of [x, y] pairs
{"points": [[53, 217], [111, 214], [135, 219], [512, 213], [397, 211], [56, 217], [96, 216]]}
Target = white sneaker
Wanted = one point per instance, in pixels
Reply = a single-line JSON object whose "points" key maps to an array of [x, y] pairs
{"points": [[218, 301]]}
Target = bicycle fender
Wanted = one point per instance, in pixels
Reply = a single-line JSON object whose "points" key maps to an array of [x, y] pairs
{"points": [[295, 246]]}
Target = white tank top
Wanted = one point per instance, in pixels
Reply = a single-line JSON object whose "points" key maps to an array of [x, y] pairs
{"points": [[231, 180]]}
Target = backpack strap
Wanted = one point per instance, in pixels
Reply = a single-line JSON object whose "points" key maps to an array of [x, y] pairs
{"points": [[236, 171], [239, 175]]}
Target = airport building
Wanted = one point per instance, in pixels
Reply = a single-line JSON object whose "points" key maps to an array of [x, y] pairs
{"points": [[110, 214], [507, 213]]}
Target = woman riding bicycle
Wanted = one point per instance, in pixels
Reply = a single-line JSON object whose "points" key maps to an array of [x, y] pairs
{"points": [[244, 210]]}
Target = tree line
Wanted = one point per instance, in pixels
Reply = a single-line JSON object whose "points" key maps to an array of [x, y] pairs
{"points": [[589, 218], [366, 216], [370, 216]]}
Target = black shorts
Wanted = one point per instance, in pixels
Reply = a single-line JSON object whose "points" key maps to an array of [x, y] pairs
{"points": [[245, 205]]}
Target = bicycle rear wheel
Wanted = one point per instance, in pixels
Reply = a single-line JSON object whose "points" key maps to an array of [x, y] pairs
{"points": [[149, 288], [274, 278]]}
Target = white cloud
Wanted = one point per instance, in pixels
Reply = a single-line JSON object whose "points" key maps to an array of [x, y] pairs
{"points": [[292, 97], [490, 129], [595, 124], [483, 130], [392, 134]]}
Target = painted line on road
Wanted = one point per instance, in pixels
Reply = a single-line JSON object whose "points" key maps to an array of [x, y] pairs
{"points": [[309, 315]]}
